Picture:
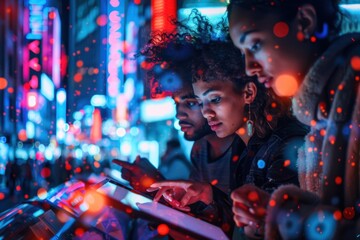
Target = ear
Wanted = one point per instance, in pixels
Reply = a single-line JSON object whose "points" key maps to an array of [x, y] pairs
{"points": [[306, 19], [250, 92]]}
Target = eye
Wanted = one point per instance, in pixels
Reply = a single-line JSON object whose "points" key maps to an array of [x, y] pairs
{"points": [[192, 104], [200, 103], [255, 47], [216, 100]]}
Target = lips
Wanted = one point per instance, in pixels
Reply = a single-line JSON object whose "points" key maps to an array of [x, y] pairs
{"points": [[214, 125], [185, 125], [267, 81]]}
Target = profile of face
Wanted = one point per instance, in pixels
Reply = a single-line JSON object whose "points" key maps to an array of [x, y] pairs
{"points": [[221, 105], [272, 48], [188, 111]]}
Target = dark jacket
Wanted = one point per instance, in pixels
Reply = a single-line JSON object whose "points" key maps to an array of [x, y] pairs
{"points": [[272, 161], [267, 163]]}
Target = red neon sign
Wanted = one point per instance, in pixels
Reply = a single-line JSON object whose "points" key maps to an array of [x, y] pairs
{"points": [[162, 12]]}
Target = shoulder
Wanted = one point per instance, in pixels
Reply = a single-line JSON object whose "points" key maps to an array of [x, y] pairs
{"points": [[289, 128], [199, 150]]}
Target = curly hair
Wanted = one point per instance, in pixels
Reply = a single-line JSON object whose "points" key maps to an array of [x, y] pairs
{"points": [[174, 52], [222, 61], [210, 55]]}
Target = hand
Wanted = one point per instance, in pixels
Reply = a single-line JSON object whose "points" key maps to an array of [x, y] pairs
{"points": [[179, 194], [140, 174], [249, 208]]}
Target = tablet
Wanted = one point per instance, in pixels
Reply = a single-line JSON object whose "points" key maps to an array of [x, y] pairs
{"points": [[160, 212]]}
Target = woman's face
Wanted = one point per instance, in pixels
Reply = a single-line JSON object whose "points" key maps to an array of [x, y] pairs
{"points": [[272, 50], [221, 105]]}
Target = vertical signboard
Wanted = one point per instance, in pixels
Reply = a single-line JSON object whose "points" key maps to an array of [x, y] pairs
{"points": [[115, 58]]}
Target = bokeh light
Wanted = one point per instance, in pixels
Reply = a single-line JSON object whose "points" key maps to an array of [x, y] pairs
{"points": [[355, 63], [163, 229], [286, 85], [320, 225], [3, 83], [281, 29], [94, 201], [101, 20], [42, 193], [261, 164], [289, 225]]}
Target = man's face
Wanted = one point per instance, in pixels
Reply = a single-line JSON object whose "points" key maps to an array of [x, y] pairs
{"points": [[191, 121]]}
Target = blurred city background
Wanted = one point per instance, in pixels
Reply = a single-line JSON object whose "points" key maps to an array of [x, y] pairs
{"points": [[73, 97]]}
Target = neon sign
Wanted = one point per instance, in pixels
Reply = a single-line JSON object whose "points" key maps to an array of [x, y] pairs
{"points": [[35, 19], [115, 55]]}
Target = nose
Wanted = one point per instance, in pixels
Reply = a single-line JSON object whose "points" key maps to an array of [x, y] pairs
{"points": [[252, 67], [180, 112], [207, 112]]}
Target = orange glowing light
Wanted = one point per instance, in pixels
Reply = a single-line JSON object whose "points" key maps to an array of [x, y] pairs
{"points": [[241, 131], [214, 182], [272, 203], [3, 83], [96, 164], [287, 163], [95, 201], [79, 63], [281, 29], [323, 132], [337, 215], [355, 63], [52, 15], [269, 117], [42, 193], [146, 181], [22, 135], [78, 77], [10, 90], [312, 138], [163, 229], [286, 85]]}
